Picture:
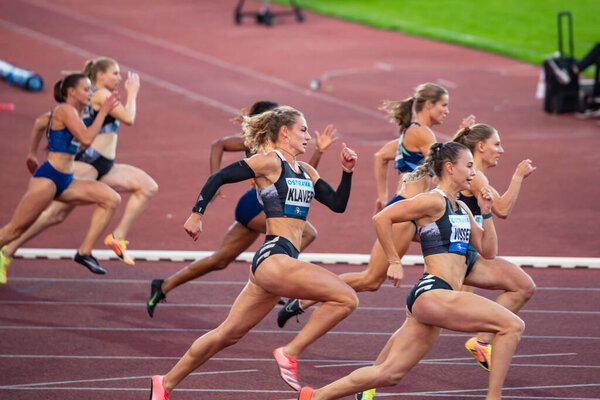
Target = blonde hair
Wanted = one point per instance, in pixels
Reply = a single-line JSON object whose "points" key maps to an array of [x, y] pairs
{"points": [[471, 135], [92, 67], [263, 129], [400, 112]]}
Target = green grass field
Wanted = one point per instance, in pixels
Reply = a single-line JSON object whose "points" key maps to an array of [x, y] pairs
{"points": [[522, 29]]}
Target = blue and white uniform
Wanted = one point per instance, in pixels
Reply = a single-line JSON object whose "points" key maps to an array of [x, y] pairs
{"points": [[405, 161], [449, 234], [289, 197], [59, 141]]}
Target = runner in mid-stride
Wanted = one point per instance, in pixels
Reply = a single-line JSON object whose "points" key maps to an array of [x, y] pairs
{"points": [[286, 188]]}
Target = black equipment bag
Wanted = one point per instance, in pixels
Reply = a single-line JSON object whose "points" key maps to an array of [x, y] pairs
{"points": [[562, 97]]}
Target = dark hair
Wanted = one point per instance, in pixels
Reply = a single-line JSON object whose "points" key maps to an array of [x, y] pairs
{"points": [[439, 154], [61, 87], [262, 129], [400, 112], [257, 108], [471, 135]]}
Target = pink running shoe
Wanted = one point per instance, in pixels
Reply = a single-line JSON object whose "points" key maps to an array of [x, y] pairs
{"points": [[157, 389], [287, 368], [305, 393]]}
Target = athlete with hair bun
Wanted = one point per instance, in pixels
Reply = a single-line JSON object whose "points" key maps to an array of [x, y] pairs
{"points": [[445, 227]]}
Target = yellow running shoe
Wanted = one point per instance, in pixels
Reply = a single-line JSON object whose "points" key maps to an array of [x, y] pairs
{"points": [[366, 395], [119, 247], [4, 262], [481, 351]]}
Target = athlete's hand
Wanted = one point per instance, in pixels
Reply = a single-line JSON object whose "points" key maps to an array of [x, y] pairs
{"points": [[485, 199], [524, 169], [468, 121], [395, 273], [32, 163], [323, 141], [193, 225], [348, 157], [379, 205], [132, 84]]}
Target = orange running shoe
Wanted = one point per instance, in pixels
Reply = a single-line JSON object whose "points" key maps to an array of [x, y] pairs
{"points": [[157, 389], [305, 393], [119, 247], [481, 351], [287, 368]]}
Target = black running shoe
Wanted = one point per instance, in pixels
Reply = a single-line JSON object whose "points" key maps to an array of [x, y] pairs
{"points": [[156, 296], [291, 308], [90, 262]]}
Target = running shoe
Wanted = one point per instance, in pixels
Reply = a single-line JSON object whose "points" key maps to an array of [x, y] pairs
{"points": [[481, 351], [4, 262], [305, 393], [119, 247], [366, 395], [157, 389], [291, 308], [287, 368], [90, 262], [156, 296]]}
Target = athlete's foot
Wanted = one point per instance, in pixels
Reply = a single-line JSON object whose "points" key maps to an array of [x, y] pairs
{"points": [[305, 393], [119, 247], [291, 308], [365, 395], [157, 388], [156, 296], [90, 262], [288, 367], [481, 351], [4, 262]]}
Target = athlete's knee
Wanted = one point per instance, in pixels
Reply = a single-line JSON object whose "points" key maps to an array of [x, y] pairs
{"points": [[111, 200], [228, 336], [513, 327], [54, 217], [149, 189], [527, 288], [348, 300]]}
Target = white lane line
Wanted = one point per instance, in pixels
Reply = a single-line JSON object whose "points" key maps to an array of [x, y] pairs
{"points": [[259, 331], [203, 305], [123, 378], [198, 56], [454, 360], [242, 282], [146, 77]]}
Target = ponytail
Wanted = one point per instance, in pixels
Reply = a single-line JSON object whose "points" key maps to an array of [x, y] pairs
{"points": [[62, 86]]}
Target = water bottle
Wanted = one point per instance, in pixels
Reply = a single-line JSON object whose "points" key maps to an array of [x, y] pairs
{"points": [[26, 79]]}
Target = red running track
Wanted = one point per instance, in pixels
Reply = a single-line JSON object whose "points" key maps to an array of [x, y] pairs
{"points": [[82, 335]]}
